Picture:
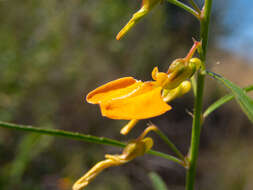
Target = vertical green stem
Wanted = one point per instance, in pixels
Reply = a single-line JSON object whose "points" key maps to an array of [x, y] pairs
{"points": [[197, 119]]}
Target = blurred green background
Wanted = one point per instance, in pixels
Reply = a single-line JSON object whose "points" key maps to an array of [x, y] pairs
{"points": [[52, 53]]}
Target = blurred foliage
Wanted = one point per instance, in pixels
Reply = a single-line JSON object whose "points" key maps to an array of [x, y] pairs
{"points": [[52, 53]]}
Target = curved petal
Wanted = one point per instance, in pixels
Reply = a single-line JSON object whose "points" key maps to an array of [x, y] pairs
{"points": [[142, 106], [114, 89], [161, 78]]}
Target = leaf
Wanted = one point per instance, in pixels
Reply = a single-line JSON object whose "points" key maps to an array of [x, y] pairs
{"points": [[245, 102], [157, 181], [222, 101], [81, 137]]}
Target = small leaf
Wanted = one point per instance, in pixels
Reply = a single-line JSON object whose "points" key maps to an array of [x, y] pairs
{"points": [[243, 100], [157, 181], [222, 101]]}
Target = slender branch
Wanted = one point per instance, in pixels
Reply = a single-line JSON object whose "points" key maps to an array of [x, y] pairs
{"points": [[195, 6], [155, 129], [197, 119], [81, 137], [185, 7], [166, 156], [170, 144]]}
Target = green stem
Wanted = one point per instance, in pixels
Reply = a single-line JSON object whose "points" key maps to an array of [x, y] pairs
{"points": [[197, 119], [195, 6], [166, 156], [170, 144], [81, 137], [194, 85], [185, 7]]}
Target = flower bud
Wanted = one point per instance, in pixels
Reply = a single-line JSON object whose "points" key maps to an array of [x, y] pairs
{"points": [[183, 88], [133, 149], [181, 70], [194, 64], [147, 5], [137, 148]]}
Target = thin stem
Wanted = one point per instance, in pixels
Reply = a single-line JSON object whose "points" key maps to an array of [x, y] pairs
{"points": [[195, 6], [170, 144], [154, 128], [185, 7], [197, 119], [166, 156], [81, 137], [195, 46], [194, 85]]}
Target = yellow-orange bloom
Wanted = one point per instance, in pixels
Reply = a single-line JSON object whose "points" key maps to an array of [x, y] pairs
{"points": [[127, 99], [167, 95], [130, 99]]}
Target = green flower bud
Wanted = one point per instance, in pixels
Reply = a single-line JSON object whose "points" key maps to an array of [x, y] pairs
{"points": [[181, 70], [137, 148], [183, 88]]}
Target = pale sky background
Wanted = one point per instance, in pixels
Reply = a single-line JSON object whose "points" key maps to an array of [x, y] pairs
{"points": [[239, 19]]}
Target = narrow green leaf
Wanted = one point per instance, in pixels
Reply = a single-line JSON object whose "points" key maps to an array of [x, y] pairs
{"points": [[62, 133], [243, 100], [157, 181], [222, 101], [82, 137]]}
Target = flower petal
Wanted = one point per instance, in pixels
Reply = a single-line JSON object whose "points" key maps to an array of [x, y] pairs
{"points": [[161, 78], [114, 89], [142, 106]]}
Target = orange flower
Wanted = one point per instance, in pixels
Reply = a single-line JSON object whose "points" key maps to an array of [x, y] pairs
{"points": [[130, 99], [127, 98]]}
